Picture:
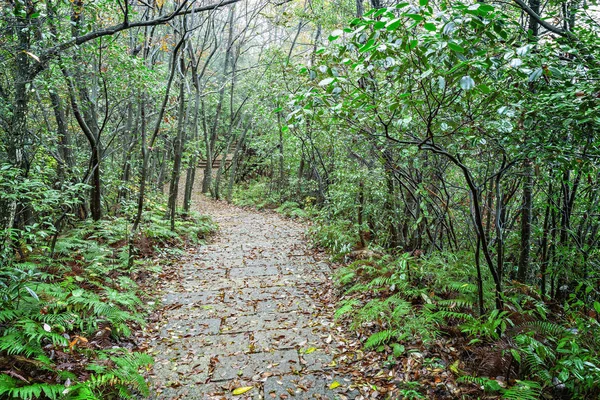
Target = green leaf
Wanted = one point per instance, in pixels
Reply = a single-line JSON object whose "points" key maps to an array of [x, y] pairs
{"points": [[455, 47], [430, 27], [335, 34], [415, 17], [485, 89], [516, 355], [467, 83], [398, 350], [326, 81], [367, 46], [535, 75], [597, 307], [393, 24], [379, 25], [423, 3]]}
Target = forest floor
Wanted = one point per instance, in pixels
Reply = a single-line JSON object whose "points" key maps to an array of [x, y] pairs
{"points": [[248, 316]]}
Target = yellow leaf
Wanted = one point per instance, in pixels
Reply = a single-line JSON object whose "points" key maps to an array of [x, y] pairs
{"points": [[36, 58], [242, 390], [454, 367], [310, 350], [334, 384]]}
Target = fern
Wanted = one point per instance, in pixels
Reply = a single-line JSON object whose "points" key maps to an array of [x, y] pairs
{"points": [[544, 328], [346, 307], [523, 390], [458, 303], [9, 387], [443, 315], [490, 328], [488, 385], [383, 337], [25, 337], [123, 376]]}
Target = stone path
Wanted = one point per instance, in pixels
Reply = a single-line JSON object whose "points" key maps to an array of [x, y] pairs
{"points": [[247, 313]]}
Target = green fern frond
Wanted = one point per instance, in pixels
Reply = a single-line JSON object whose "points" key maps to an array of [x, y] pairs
{"points": [[446, 315], [523, 390], [544, 328], [9, 387], [451, 304], [383, 337], [346, 307], [8, 315]]}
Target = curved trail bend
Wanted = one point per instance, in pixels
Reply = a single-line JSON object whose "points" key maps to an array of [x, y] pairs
{"points": [[248, 310]]}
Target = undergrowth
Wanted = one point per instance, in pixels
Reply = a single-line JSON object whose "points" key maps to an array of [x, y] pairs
{"points": [[252, 194], [68, 309], [427, 305]]}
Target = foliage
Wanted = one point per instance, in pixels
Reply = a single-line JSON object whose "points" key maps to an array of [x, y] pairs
{"points": [[76, 306], [436, 304]]}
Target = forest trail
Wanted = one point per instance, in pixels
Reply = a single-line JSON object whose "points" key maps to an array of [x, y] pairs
{"points": [[247, 310]]}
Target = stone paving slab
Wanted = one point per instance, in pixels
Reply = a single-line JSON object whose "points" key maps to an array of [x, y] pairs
{"points": [[264, 321], [225, 343], [192, 371], [283, 305], [308, 387], [210, 391], [253, 271], [267, 293], [193, 272], [251, 365], [262, 281], [210, 345], [244, 323], [201, 297], [317, 360], [294, 338], [185, 327], [217, 310]]}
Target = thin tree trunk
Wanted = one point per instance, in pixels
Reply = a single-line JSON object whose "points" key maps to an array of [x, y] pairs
{"points": [[526, 216], [235, 163], [177, 156], [210, 144]]}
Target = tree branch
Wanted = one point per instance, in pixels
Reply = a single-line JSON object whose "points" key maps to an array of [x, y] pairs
{"points": [[537, 18], [53, 52]]}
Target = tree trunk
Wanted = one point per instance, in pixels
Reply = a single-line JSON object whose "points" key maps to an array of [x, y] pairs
{"points": [[526, 216], [235, 163], [210, 144], [360, 8], [177, 155]]}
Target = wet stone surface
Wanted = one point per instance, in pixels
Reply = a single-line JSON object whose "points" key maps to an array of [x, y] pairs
{"points": [[245, 312]]}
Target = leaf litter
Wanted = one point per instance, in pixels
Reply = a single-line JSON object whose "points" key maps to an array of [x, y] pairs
{"points": [[280, 298]]}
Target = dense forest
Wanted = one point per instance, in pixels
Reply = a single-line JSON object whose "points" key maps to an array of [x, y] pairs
{"points": [[444, 152]]}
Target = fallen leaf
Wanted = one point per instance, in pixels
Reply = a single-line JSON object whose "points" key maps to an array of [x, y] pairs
{"points": [[334, 385], [242, 390]]}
